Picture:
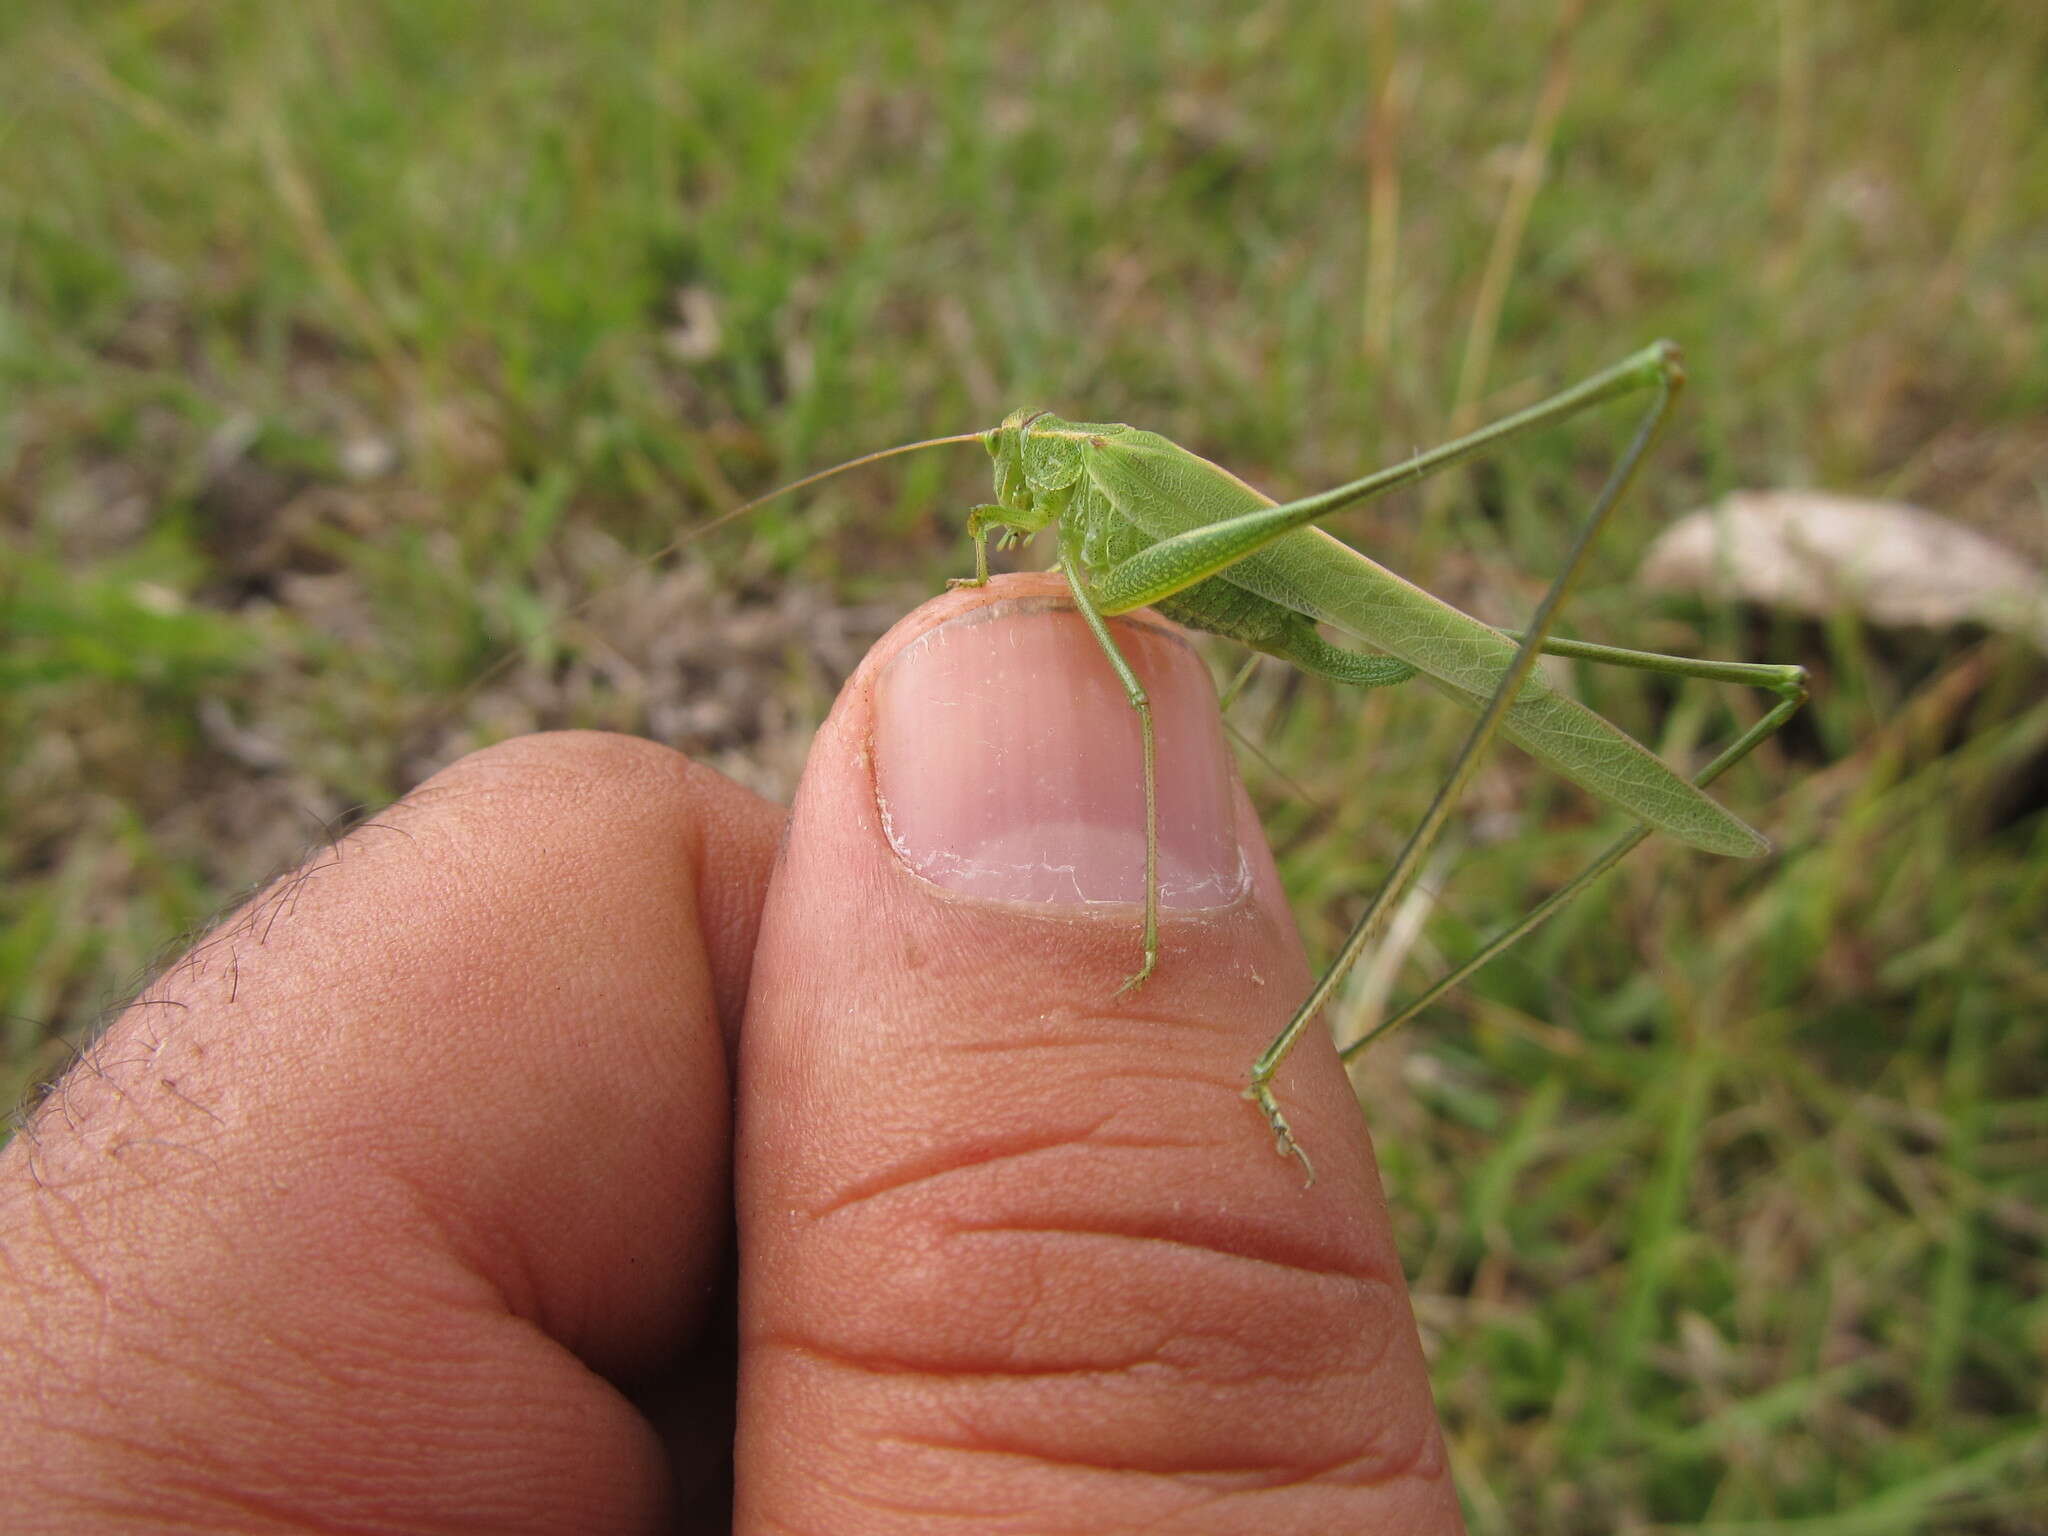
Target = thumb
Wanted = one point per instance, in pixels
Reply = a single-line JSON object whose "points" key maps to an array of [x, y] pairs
{"points": [[1015, 1252]]}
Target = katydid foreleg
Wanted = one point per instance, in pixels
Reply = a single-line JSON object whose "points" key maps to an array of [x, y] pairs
{"points": [[1135, 692], [979, 521]]}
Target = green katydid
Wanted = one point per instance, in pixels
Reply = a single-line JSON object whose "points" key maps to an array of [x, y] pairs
{"points": [[1143, 522]]}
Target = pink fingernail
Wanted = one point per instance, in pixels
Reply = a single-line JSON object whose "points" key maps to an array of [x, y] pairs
{"points": [[1010, 766]]}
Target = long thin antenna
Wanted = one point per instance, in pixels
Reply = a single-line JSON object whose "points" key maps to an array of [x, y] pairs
{"points": [[745, 507], [692, 534]]}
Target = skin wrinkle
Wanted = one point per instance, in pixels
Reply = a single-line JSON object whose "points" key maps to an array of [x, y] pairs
{"points": [[136, 1319], [973, 1518], [1106, 1041], [1262, 1246], [1248, 1242], [436, 1226], [981, 1152], [1220, 1500], [1189, 1023], [1185, 1245], [1373, 1465], [1154, 1357], [1249, 1477], [211, 1494], [1373, 1455], [45, 1376], [152, 1456], [1257, 1480], [468, 1280], [1209, 1345], [290, 1515], [903, 1177], [884, 1365], [143, 1511]]}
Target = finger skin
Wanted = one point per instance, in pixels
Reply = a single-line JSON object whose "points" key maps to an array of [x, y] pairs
{"points": [[345, 1224], [1016, 1255]]}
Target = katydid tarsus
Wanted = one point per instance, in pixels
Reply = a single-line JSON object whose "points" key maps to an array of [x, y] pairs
{"points": [[1143, 522]]}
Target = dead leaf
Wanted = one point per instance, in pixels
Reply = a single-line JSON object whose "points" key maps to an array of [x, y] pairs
{"points": [[1819, 554]]}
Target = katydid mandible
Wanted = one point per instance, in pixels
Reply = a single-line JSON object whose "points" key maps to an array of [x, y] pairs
{"points": [[1143, 522]]}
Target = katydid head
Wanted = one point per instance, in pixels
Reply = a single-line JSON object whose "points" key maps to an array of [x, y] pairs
{"points": [[1039, 459], [1037, 462], [1006, 445]]}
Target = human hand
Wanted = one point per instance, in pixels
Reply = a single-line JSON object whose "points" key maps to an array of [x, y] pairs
{"points": [[406, 1200]]}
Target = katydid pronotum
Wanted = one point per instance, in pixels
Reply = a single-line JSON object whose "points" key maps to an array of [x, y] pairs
{"points": [[1143, 522]]}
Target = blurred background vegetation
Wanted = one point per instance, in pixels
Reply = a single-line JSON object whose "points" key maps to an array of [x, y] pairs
{"points": [[354, 359]]}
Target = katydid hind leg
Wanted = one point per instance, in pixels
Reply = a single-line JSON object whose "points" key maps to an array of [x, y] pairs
{"points": [[1417, 848], [1175, 563], [1306, 573], [1786, 681]]}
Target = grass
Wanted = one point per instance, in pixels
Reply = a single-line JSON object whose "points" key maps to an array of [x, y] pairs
{"points": [[346, 349]]}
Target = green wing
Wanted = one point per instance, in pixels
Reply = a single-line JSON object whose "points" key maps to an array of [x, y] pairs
{"points": [[1165, 490]]}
